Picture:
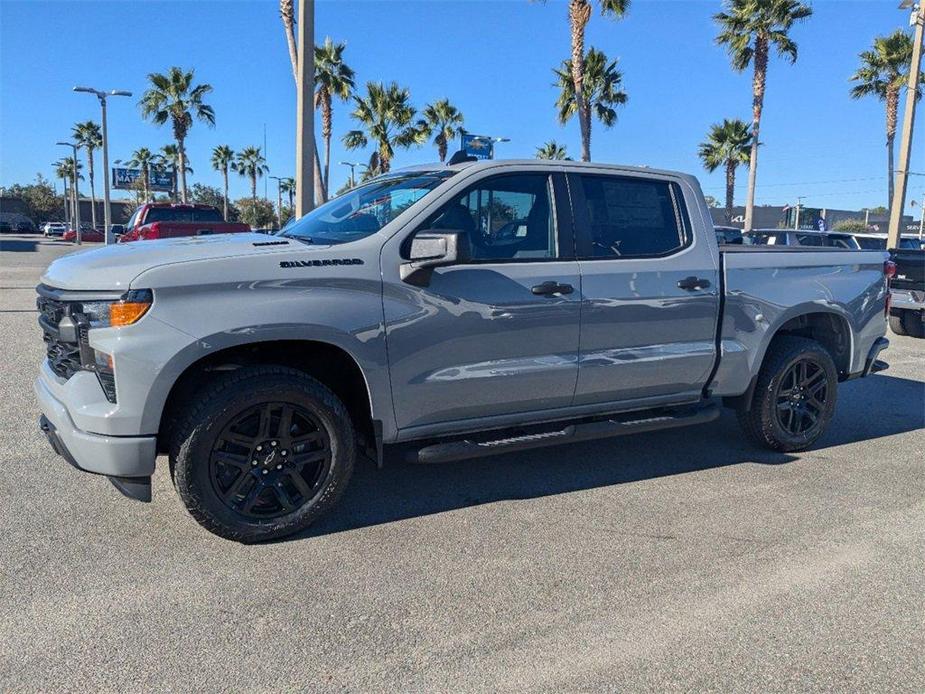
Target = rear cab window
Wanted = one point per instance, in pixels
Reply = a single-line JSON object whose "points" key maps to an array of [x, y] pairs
{"points": [[628, 217]]}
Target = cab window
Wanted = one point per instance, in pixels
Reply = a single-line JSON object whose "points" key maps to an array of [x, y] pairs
{"points": [[506, 217]]}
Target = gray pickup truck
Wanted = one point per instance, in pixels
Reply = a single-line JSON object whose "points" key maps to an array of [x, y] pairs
{"points": [[445, 312]]}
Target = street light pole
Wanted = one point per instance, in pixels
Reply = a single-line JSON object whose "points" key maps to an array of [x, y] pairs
{"points": [[905, 147], [279, 199], [353, 165], [107, 212], [305, 112], [76, 191]]}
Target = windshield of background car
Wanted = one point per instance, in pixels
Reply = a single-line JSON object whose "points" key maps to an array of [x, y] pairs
{"points": [[363, 211]]}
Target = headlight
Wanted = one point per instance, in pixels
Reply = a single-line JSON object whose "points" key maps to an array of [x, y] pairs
{"points": [[127, 310]]}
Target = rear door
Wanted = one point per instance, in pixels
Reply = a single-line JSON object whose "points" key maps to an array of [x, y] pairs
{"points": [[650, 289]]}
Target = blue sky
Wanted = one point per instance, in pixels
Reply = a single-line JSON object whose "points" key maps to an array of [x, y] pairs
{"points": [[492, 59]]}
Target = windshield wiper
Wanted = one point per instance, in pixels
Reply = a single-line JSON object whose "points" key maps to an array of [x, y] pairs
{"points": [[303, 239]]}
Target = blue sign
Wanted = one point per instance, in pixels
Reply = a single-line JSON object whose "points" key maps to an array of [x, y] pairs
{"points": [[158, 179], [478, 146]]}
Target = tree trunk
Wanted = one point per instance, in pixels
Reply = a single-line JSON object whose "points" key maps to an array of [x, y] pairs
{"points": [[320, 192], [730, 188], [441, 147], [181, 147], [892, 106], [326, 131], [758, 86], [287, 12], [579, 12], [254, 189], [92, 191], [225, 199]]}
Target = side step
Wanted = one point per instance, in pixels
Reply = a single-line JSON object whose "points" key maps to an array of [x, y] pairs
{"points": [[586, 431]]}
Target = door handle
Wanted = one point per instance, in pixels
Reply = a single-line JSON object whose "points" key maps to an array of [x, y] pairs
{"points": [[691, 283], [550, 288]]}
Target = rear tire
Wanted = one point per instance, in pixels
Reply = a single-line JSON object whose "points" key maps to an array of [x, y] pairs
{"points": [[896, 323], [262, 452], [794, 397]]}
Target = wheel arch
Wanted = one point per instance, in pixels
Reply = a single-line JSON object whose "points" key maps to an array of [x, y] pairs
{"points": [[330, 363]]}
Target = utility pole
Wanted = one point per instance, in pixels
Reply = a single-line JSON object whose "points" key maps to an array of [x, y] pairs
{"points": [[905, 147], [796, 223], [305, 111], [107, 211]]}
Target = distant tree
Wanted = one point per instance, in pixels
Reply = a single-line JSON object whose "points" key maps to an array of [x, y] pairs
{"points": [[711, 201], [251, 164], [41, 201], [169, 158], [387, 117], [728, 144], [851, 226], [444, 121], [287, 188], [601, 82], [748, 30], [551, 150], [65, 169], [223, 160], [256, 212], [143, 159], [333, 80], [89, 136], [286, 213], [884, 73], [209, 195], [879, 210], [173, 98]]}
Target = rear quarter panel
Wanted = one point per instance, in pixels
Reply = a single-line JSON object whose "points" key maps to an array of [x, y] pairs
{"points": [[764, 290]]}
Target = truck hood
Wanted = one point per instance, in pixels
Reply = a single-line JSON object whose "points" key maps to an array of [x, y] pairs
{"points": [[115, 266]]}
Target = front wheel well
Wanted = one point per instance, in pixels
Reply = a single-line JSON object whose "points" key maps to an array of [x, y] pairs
{"points": [[332, 366]]}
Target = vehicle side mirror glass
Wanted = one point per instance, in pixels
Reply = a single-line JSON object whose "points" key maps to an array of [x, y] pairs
{"points": [[117, 229], [433, 248]]}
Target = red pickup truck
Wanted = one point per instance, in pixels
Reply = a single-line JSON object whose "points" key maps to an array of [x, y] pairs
{"points": [[166, 220]]}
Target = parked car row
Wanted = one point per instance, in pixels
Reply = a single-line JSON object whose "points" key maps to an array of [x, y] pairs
{"points": [[802, 237]]}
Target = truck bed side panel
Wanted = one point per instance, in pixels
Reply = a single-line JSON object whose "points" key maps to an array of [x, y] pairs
{"points": [[765, 290]]}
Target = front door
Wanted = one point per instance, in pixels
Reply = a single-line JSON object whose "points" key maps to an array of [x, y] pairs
{"points": [[499, 334], [650, 291]]}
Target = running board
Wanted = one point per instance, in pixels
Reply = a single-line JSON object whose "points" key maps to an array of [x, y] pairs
{"points": [[586, 431]]}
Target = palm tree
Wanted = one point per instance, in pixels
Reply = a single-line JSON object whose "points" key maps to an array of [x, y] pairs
{"points": [[883, 73], [728, 144], [287, 186], [444, 119], [551, 150], [251, 164], [601, 82], [579, 13], [170, 158], [387, 116], [173, 97], [89, 136], [64, 169], [748, 29], [287, 14], [333, 79], [143, 158], [222, 160]]}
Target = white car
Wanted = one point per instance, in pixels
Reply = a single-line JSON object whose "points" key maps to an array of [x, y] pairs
{"points": [[54, 228]]}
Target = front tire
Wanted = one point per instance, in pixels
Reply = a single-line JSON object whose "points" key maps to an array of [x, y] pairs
{"points": [[262, 452], [794, 397]]}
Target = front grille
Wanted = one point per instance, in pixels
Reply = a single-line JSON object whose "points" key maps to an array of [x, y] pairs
{"points": [[66, 357], [63, 357]]}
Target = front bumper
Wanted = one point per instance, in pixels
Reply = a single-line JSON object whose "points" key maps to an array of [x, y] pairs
{"points": [[126, 460]]}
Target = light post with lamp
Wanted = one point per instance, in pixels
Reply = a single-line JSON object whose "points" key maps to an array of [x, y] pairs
{"points": [[107, 215]]}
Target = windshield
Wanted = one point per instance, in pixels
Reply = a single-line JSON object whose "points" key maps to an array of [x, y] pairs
{"points": [[363, 211]]}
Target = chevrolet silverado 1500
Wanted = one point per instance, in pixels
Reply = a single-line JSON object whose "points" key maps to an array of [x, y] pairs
{"points": [[448, 312]]}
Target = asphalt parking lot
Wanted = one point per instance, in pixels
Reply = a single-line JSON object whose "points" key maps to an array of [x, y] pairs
{"points": [[683, 560]]}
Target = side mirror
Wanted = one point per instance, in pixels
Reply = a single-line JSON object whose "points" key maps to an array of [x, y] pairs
{"points": [[117, 229], [431, 249]]}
